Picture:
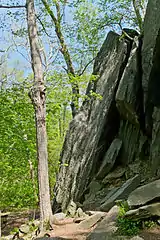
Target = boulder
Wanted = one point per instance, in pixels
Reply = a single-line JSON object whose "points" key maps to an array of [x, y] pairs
{"points": [[110, 217], [80, 213], [107, 227], [152, 210], [109, 158], [94, 200], [144, 194], [24, 228], [111, 192], [59, 216], [117, 173], [71, 210], [92, 220], [137, 238], [121, 193], [93, 187]]}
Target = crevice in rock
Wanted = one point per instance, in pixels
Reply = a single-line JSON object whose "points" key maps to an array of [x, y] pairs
{"points": [[140, 97], [153, 98]]}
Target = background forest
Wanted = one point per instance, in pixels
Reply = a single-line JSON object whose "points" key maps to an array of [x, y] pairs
{"points": [[70, 33]]}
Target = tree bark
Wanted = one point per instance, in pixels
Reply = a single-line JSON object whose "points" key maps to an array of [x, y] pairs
{"points": [[39, 103]]}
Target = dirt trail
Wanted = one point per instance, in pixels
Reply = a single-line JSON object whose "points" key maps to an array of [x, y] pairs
{"points": [[69, 229]]}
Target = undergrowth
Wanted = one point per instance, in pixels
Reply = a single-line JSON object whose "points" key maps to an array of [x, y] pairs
{"points": [[131, 227]]}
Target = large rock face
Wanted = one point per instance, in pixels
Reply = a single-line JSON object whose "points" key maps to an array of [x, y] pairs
{"points": [[119, 125], [151, 31], [87, 128], [150, 80]]}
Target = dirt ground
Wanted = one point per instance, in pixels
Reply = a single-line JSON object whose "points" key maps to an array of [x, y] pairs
{"points": [[15, 220]]}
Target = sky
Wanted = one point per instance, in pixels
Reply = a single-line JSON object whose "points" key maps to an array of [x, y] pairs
{"points": [[18, 56]]}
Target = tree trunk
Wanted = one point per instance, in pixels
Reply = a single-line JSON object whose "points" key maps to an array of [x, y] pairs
{"points": [[39, 103], [67, 57]]}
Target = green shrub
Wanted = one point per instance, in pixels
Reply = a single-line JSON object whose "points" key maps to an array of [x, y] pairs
{"points": [[128, 227]]}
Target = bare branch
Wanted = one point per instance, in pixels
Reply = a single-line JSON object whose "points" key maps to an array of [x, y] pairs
{"points": [[125, 34], [18, 6], [44, 29], [20, 51], [84, 69]]}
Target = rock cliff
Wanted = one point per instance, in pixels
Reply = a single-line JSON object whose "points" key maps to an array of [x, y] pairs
{"points": [[112, 145]]}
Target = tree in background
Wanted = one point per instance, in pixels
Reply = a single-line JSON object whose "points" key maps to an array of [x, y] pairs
{"points": [[17, 143], [38, 98]]}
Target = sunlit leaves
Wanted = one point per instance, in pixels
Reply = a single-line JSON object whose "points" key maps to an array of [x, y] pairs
{"points": [[17, 144]]}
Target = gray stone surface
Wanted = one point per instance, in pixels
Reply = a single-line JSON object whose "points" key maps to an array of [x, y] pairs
{"points": [[137, 238], [92, 220], [130, 136], [24, 228], [93, 201], [144, 194], [121, 193], [93, 187], [109, 218], [109, 158], [72, 207], [59, 216], [152, 210], [80, 213], [151, 29], [105, 236], [53, 238], [109, 194], [117, 173], [80, 146], [155, 144], [127, 97]]}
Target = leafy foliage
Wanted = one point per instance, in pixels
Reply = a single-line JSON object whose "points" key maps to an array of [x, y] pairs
{"points": [[18, 137], [128, 227], [131, 227], [17, 146]]}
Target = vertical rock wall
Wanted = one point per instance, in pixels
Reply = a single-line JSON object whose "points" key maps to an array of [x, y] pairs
{"points": [[128, 81]]}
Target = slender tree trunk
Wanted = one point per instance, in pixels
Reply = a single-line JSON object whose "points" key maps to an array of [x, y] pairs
{"points": [[39, 102], [136, 6], [67, 57]]}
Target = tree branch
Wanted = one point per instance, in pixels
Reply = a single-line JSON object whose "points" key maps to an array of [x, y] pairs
{"points": [[44, 29], [84, 69], [64, 50], [18, 6], [138, 15], [58, 12]]}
